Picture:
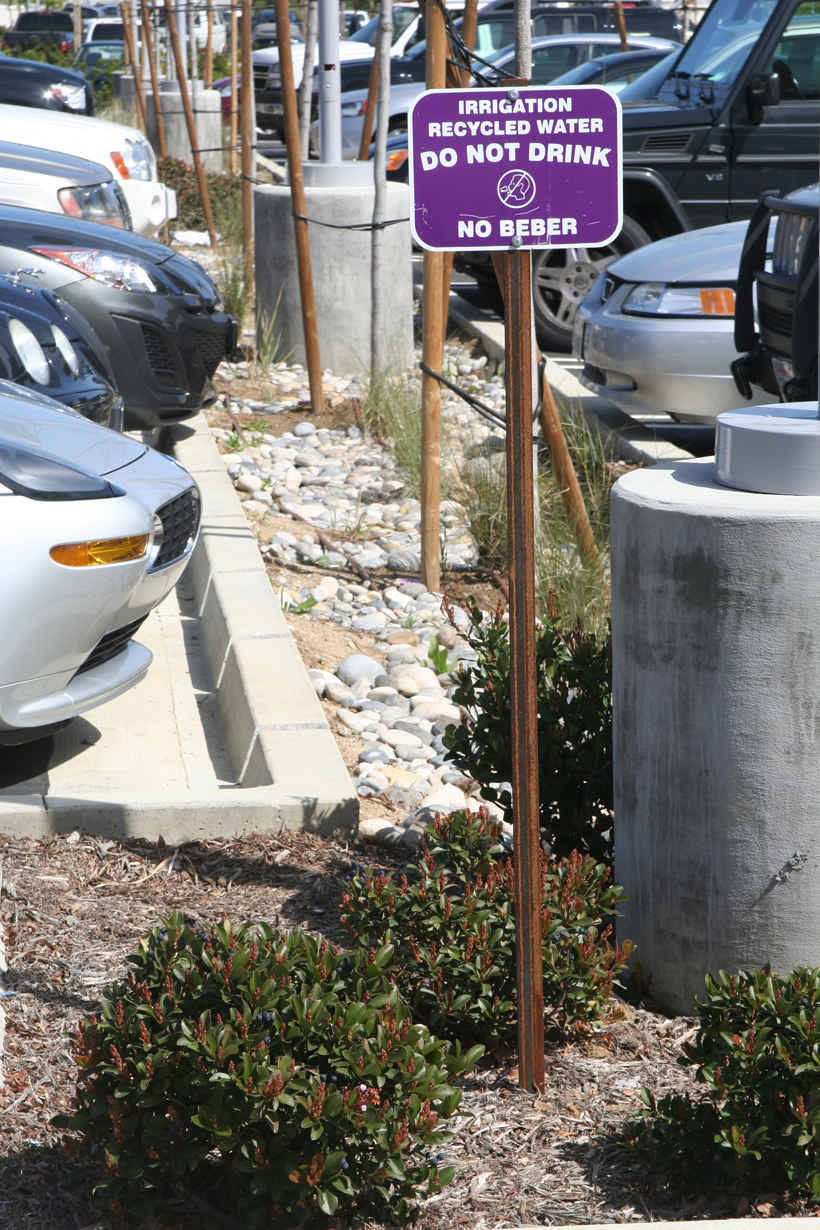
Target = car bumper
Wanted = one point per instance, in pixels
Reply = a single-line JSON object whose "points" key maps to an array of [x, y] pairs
{"points": [[65, 632], [151, 204], [651, 365]]}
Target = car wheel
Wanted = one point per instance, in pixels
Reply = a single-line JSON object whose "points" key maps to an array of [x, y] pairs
{"points": [[562, 277]]}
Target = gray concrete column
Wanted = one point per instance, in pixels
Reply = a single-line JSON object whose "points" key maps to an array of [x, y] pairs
{"points": [[341, 274], [207, 106], [716, 702]]}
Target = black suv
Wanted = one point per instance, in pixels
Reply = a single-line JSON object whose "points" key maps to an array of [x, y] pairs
{"points": [[781, 350], [735, 113]]}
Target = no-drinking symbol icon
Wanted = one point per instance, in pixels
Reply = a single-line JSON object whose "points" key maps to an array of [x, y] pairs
{"points": [[516, 189]]}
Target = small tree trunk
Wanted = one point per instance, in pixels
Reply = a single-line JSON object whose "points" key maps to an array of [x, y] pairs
{"points": [[378, 344], [306, 88]]}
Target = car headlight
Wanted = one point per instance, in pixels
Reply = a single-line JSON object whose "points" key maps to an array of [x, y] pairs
{"points": [[29, 350], [66, 350], [351, 109], [658, 299], [136, 160], [71, 96], [42, 477], [96, 204], [123, 272]]}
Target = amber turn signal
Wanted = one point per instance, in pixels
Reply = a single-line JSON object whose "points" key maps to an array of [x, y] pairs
{"points": [[104, 551], [717, 301], [396, 160]]}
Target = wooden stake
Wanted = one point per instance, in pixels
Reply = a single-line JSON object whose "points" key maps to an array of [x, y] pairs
{"points": [[234, 83], [370, 107], [299, 203], [208, 66], [565, 475], [146, 34], [458, 77], [247, 138], [128, 31], [621, 23], [433, 323], [173, 34]]}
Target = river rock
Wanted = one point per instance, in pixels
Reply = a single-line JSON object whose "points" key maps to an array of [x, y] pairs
{"points": [[320, 679], [339, 694], [355, 721], [447, 636], [403, 561], [402, 636], [397, 738], [359, 666], [249, 482]]}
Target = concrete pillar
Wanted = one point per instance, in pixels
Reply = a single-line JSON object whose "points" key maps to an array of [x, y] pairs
{"points": [[207, 105], [716, 702], [341, 273]]}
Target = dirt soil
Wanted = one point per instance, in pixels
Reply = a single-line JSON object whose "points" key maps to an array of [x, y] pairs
{"points": [[72, 908]]}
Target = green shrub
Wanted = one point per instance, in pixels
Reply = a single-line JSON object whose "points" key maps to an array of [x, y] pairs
{"points": [[574, 729], [225, 192], [300, 1065], [453, 932], [758, 1052]]}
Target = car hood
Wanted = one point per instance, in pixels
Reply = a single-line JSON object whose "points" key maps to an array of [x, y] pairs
{"points": [[708, 255], [38, 71], [30, 422], [32, 228], [24, 159]]}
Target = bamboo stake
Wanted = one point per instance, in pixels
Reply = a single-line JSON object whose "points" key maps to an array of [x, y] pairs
{"points": [[171, 20], [565, 475], [297, 196], [208, 66], [128, 31], [433, 324], [234, 85], [370, 106], [247, 138], [147, 43]]}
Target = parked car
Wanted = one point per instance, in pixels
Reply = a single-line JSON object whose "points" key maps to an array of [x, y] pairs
{"points": [[41, 26], [29, 83], [559, 53], [734, 113], [778, 353], [109, 30], [219, 37], [354, 19], [155, 311], [125, 152], [656, 332], [617, 71], [97, 61], [60, 183], [46, 348], [97, 530]]}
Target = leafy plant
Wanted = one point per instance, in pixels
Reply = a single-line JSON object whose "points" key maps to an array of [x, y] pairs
{"points": [[234, 284], [482, 492], [453, 932], [267, 341], [437, 656], [298, 1065], [574, 729], [757, 1050], [226, 199]]}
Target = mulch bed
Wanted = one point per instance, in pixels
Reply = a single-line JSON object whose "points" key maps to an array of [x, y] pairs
{"points": [[72, 907]]}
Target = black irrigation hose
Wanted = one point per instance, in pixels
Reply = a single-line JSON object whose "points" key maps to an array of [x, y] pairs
{"points": [[491, 416], [351, 226]]}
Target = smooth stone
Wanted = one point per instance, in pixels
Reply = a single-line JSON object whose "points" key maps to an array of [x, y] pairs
{"points": [[413, 836], [447, 636], [370, 623], [381, 693], [402, 636], [422, 675], [255, 507], [407, 685], [249, 482], [401, 738], [409, 752], [360, 688], [358, 666], [355, 721], [320, 679], [432, 711], [399, 708], [413, 589], [439, 802], [339, 694], [407, 796], [304, 429], [401, 654], [385, 682], [374, 755], [403, 561], [398, 776], [376, 781], [458, 780], [415, 731]]}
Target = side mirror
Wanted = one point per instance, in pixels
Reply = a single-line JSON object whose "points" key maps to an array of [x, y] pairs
{"points": [[762, 91]]}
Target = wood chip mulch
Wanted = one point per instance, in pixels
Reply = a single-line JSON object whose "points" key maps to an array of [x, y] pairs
{"points": [[71, 908]]}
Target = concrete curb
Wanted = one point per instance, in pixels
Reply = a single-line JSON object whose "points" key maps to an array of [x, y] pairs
{"points": [[275, 727]]}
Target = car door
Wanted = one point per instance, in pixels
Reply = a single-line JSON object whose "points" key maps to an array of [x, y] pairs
{"points": [[781, 151]]}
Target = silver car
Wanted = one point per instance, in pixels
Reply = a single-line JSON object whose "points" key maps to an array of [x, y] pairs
{"points": [[656, 331]]}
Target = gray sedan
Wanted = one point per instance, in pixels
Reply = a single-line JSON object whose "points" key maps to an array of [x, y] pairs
{"points": [[656, 331]]}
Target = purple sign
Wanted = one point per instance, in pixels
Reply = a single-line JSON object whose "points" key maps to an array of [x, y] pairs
{"points": [[523, 168]]}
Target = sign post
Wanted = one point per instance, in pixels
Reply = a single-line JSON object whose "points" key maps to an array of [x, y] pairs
{"points": [[509, 170]]}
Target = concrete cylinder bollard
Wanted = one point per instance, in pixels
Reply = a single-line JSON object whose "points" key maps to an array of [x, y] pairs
{"points": [[716, 702], [341, 274], [207, 106]]}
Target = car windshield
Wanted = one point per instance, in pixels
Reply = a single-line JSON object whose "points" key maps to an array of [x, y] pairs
{"points": [[402, 18], [105, 54], [616, 72], [649, 83], [720, 47]]}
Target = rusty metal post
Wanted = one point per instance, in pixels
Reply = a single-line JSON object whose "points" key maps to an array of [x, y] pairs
{"points": [[299, 204], [146, 34], [524, 706]]}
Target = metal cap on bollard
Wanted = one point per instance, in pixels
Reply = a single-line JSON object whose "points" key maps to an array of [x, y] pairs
{"points": [[774, 450]]}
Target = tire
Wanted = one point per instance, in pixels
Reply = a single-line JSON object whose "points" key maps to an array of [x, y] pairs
{"points": [[562, 277]]}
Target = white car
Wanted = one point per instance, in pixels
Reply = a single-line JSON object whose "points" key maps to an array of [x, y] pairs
{"points": [[59, 183], [96, 530], [125, 152]]}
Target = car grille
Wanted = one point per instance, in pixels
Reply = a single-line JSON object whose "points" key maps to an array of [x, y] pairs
{"points": [[611, 284], [110, 645], [180, 522], [776, 319], [159, 353], [790, 240], [260, 77], [211, 348], [666, 143]]}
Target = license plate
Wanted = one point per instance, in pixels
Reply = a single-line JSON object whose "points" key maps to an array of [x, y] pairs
{"points": [[578, 337]]}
